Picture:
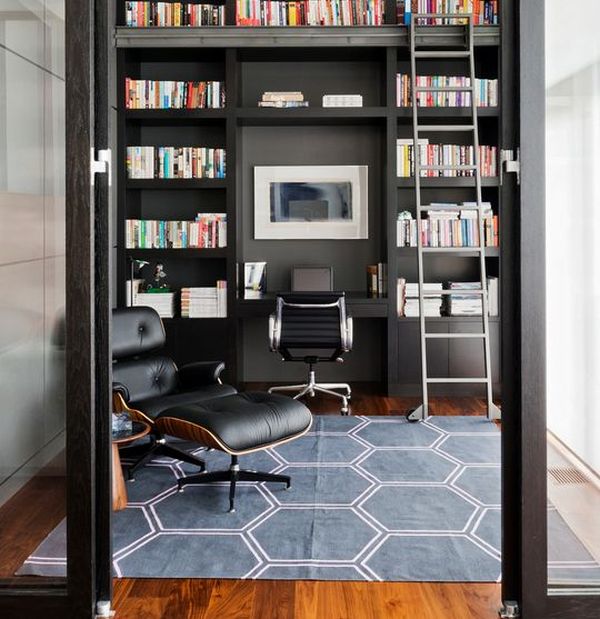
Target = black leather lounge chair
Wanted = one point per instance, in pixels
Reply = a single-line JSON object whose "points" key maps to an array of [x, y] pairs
{"points": [[192, 403]]}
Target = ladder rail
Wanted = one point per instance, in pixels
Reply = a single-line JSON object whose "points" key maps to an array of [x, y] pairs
{"points": [[423, 410]]}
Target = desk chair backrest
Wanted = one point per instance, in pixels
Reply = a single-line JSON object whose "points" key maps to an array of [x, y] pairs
{"points": [[138, 373], [311, 320]]}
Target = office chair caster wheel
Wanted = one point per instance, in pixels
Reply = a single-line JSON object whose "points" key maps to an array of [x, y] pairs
{"points": [[409, 416]]}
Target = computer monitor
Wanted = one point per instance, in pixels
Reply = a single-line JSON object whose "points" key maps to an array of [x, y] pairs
{"points": [[312, 278]]}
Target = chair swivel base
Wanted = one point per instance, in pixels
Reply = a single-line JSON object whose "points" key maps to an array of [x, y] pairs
{"points": [[160, 447], [233, 475], [312, 386]]}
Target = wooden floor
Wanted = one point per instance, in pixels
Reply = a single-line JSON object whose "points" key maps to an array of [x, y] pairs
{"points": [[34, 511]]}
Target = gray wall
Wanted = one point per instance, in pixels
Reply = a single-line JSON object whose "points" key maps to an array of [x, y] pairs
{"points": [[32, 238]]}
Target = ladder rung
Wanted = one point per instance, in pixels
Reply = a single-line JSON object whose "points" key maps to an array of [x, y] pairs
{"points": [[451, 250], [448, 167], [457, 380], [455, 128], [452, 54], [444, 89], [454, 336], [457, 292]]}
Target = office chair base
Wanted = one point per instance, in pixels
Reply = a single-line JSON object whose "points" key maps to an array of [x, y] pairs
{"points": [[233, 475], [159, 447], [312, 387]]}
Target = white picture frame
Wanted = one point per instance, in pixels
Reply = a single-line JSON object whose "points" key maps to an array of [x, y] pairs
{"points": [[351, 224]]}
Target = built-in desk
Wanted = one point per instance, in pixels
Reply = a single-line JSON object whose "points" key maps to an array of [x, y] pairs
{"points": [[358, 304]]}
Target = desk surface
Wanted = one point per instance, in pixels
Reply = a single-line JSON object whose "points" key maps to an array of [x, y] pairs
{"points": [[358, 303]]}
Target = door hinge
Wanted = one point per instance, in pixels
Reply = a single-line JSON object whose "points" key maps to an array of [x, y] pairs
{"points": [[509, 610], [509, 164], [101, 164]]}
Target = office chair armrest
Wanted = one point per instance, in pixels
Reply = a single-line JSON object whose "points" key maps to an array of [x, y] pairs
{"points": [[121, 389], [274, 332], [349, 332], [200, 373]]}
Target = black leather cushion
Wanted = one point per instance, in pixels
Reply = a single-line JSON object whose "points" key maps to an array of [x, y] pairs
{"points": [[135, 331], [246, 420], [146, 378], [154, 406]]}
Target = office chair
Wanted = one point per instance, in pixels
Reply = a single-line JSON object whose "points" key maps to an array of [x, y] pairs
{"points": [[305, 322]]}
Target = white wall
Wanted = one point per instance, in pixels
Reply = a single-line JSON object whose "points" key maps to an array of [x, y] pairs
{"points": [[573, 227]]}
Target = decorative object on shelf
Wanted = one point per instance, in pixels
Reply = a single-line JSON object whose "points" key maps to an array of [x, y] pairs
{"points": [[173, 95], [134, 284], [342, 101], [311, 202], [159, 280], [170, 14], [254, 278], [309, 13], [283, 99]]}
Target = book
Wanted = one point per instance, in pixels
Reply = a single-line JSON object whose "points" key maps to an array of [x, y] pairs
{"points": [[284, 95], [377, 280], [484, 12], [283, 104], [175, 162], [408, 299], [173, 14], [205, 301], [170, 95], [342, 101], [486, 91], [162, 302]]}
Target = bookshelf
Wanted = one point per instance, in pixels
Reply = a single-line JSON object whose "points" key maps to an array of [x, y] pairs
{"points": [[315, 60]]}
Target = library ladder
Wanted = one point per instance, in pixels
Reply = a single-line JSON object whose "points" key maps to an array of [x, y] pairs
{"points": [[424, 21]]}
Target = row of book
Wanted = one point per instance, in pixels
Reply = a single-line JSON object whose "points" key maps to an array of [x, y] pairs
{"points": [[486, 91], [205, 301], [449, 225], [207, 231], [377, 280], [309, 12], [484, 12], [175, 162], [171, 95], [173, 14], [444, 155], [462, 303]]}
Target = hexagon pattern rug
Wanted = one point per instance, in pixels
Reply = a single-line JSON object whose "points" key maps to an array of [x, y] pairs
{"points": [[372, 498]]}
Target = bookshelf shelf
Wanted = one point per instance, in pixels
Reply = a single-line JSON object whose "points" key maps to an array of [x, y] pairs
{"points": [[188, 252], [447, 182], [311, 115], [447, 319], [448, 112], [176, 183], [168, 115], [297, 36], [490, 252]]}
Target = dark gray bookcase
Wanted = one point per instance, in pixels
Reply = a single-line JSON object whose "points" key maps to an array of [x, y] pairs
{"points": [[317, 61]]}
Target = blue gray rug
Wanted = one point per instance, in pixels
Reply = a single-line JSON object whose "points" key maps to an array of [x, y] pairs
{"points": [[372, 498]]}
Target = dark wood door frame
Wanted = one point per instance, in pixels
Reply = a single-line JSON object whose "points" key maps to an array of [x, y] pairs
{"points": [[87, 337], [530, 438]]}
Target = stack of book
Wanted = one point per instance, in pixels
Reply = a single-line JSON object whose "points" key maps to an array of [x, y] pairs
{"points": [[342, 101], [175, 162], [377, 280], [486, 91], [309, 12], [205, 301], [408, 299], [173, 14], [207, 231], [283, 99], [163, 95], [449, 225], [465, 304], [444, 155], [484, 12], [162, 302]]}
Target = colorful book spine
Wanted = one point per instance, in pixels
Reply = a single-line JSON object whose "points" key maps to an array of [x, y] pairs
{"points": [[486, 91], [484, 12], [173, 14], [166, 162], [164, 95]]}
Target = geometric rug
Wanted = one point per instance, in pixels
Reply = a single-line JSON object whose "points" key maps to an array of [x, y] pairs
{"points": [[372, 498]]}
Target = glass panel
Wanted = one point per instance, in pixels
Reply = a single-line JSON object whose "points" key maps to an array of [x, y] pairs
{"points": [[573, 293], [32, 275]]}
